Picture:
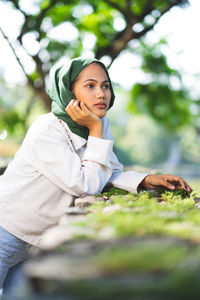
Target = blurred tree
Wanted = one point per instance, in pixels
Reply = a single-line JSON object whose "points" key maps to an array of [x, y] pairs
{"points": [[162, 94], [87, 18], [15, 104]]}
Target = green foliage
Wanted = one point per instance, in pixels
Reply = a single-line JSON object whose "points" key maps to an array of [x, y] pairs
{"points": [[56, 49], [60, 12], [14, 110], [158, 98], [96, 19], [100, 23], [143, 141], [164, 213], [111, 190], [171, 108], [11, 121]]}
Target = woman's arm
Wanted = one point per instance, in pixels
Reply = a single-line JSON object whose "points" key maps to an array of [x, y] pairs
{"points": [[79, 113], [47, 148], [134, 181], [130, 180]]}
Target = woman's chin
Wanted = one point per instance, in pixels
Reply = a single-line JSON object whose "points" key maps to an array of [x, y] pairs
{"points": [[100, 113]]}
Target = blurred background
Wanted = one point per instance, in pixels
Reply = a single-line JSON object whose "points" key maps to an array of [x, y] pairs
{"points": [[151, 48]]}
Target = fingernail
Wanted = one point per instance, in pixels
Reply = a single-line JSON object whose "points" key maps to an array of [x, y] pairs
{"points": [[172, 187]]}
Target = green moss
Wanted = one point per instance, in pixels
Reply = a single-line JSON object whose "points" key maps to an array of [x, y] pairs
{"points": [[125, 214], [111, 190], [163, 260]]}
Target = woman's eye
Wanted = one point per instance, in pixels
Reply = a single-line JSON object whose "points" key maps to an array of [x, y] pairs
{"points": [[106, 86], [90, 85]]}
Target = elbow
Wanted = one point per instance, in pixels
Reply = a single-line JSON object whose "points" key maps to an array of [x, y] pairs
{"points": [[77, 191], [92, 184], [89, 187], [92, 189]]}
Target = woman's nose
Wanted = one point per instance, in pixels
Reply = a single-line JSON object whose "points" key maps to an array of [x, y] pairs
{"points": [[100, 93]]}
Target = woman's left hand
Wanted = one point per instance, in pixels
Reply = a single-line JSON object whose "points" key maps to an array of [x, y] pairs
{"points": [[164, 181]]}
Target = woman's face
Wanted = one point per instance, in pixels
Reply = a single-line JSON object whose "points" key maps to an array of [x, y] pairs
{"points": [[93, 89]]}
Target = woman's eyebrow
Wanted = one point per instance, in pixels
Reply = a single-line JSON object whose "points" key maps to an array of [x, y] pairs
{"points": [[91, 79]]}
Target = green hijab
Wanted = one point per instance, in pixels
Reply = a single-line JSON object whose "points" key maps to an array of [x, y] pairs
{"points": [[61, 94]]}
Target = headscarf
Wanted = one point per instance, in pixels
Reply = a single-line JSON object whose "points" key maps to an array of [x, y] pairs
{"points": [[61, 94]]}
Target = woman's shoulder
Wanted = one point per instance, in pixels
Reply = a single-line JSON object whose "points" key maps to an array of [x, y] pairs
{"points": [[47, 118], [44, 121], [46, 124]]}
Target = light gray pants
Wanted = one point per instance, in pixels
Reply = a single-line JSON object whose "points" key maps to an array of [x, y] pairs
{"points": [[13, 252]]}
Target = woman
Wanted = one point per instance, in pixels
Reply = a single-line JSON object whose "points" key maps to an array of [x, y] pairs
{"points": [[66, 153]]}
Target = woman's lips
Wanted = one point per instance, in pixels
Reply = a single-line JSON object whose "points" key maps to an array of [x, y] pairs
{"points": [[101, 105]]}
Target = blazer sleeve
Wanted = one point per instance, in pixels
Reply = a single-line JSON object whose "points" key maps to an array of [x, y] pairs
{"points": [[53, 157]]}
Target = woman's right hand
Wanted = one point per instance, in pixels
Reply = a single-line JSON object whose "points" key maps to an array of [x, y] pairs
{"points": [[168, 181], [80, 114]]}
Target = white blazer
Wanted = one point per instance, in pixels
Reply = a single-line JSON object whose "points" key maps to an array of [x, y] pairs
{"points": [[51, 168]]}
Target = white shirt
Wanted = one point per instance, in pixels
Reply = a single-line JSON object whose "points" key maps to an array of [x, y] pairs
{"points": [[51, 168]]}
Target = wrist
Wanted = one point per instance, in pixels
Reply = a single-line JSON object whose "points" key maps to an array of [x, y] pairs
{"points": [[144, 183], [96, 130]]}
